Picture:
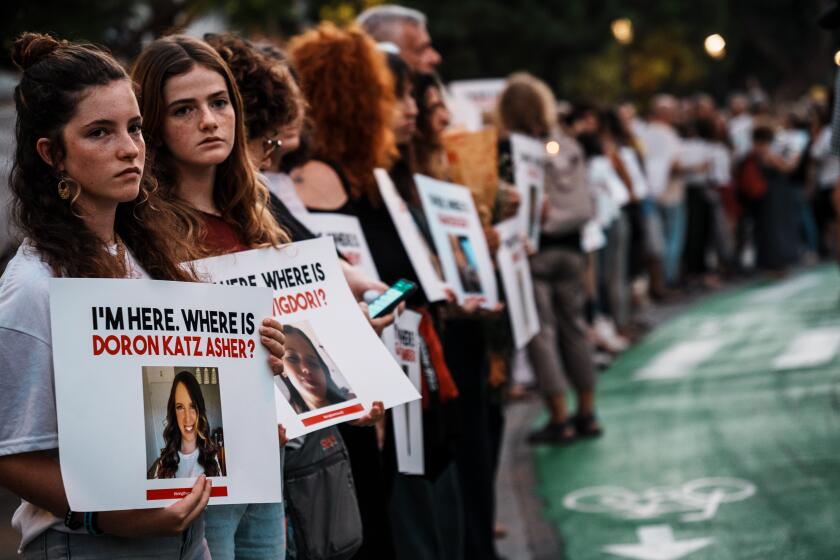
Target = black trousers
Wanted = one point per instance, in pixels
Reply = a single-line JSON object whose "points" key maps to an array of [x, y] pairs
{"points": [[465, 350]]}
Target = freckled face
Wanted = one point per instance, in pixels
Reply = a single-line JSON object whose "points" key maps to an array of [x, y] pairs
{"points": [[104, 147], [199, 128]]}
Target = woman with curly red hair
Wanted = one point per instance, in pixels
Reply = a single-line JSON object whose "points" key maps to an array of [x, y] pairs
{"points": [[350, 92]]}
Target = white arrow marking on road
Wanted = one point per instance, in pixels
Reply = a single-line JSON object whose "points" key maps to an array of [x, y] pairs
{"points": [[656, 542], [814, 347], [680, 359]]}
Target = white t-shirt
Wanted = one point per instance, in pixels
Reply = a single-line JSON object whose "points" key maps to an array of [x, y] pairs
{"points": [[27, 409], [740, 132], [662, 149], [631, 162], [828, 164], [695, 153], [188, 466], [721, 172]]}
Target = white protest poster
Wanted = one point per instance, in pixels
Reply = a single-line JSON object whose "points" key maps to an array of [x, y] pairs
{"points": [[483, 93], [145, 369], [346, 232], [529, 158], [335, 366], [425, 263], [512, 259], [408, 418], [283, 187], [461, 245]]}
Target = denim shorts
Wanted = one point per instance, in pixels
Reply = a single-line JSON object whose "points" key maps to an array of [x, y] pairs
{"points": [[56, 545], [246, 531]]}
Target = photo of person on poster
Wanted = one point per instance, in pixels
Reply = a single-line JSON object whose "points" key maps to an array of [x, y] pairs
{"points": [[189, 450], [465, 261], [309, 382]]}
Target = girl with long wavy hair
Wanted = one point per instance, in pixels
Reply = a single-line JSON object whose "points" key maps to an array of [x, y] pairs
{"points": [[193, 118], [195, 121], [188, 449], [87, 209]]}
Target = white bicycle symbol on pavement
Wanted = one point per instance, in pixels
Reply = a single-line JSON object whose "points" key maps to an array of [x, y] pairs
{"points": [[698, 499]]}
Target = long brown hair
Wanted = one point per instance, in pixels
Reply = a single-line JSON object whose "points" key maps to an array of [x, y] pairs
{"points": [[56, 75], [350, 92], [238, 194]]}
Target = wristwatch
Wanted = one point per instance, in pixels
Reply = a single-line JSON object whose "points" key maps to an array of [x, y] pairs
{"points": [[70, 523]]}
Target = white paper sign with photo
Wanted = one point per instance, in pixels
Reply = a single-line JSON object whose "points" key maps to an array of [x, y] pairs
{"points": [[157, 383], [408, 418], [424, 261], [529, 158], [512, 259], [346, 231], [335, 366], [459, 239]]}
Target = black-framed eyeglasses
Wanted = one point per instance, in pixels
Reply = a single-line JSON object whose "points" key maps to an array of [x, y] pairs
{"points": [[271, 144]]}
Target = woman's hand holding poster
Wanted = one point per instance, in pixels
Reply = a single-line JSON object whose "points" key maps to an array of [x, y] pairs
{"points": [[157, 383], [459, 239], [335, 366]]}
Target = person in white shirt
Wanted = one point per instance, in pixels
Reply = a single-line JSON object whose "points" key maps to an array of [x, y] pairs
{"points": [[740, 126], [663, 147], [826, 177], [87, 211]]}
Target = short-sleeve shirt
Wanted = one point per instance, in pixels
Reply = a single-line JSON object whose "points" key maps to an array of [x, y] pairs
{"points": [[27, 410]]}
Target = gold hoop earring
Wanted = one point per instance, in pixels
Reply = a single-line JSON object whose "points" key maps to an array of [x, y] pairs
{"points": [[63, 189]]}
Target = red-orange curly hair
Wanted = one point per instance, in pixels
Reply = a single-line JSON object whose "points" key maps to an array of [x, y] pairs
{"points": [[349, 89]]}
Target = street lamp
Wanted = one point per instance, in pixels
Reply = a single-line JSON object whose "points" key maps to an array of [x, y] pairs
{"points": [[622, 30], [837, 58], [715, 46]]}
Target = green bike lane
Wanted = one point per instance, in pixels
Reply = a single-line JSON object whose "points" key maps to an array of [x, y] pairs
{"points": [[722, 436]]}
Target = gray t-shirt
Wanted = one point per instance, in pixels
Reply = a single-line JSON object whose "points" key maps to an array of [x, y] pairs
{"points": [[27, 410]]}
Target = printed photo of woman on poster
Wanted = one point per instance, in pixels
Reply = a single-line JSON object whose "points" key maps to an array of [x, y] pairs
{"points": [[465, 262], [189, 450], [310, 383]]}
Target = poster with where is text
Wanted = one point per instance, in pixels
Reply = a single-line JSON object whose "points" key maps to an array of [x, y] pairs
{"points": [[335, 366], [157, 383], [512, 259], [459, 239], [529, 158]]}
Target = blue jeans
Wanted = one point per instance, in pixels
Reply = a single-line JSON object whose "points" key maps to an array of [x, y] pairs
{"points": [[56, 545], [246, 531], [673, 226]]}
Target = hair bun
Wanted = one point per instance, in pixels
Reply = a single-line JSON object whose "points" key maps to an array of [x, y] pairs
{"points": [[31, 48]]}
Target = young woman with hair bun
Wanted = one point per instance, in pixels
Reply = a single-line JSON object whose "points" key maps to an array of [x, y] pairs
{"points": [[86, 208]]}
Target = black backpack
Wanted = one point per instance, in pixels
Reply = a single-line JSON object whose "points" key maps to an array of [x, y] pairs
{"points": [[322, 513]]}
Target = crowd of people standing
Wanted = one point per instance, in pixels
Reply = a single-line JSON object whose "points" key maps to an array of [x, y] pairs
{"points": [[198, 150]]}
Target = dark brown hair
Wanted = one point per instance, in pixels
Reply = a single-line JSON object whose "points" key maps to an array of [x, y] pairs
{"points": [[239, 196], [270, 95], [168, 462], [56, 75]]}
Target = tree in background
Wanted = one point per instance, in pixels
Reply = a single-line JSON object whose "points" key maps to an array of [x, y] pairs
{"points": [[568, 42]]}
